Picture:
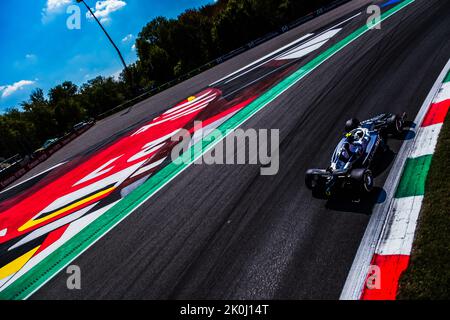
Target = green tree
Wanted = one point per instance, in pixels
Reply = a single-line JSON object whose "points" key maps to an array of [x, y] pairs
{"points": [[100, 94], [66, 103], [38, 112], [192, 39], [17, 135], [235, 25]]}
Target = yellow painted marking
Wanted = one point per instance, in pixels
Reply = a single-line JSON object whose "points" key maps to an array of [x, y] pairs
{"points": [[17, 264], [191, 98], [33, 223]]}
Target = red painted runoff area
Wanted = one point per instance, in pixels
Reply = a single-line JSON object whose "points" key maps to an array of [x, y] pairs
{"points": [[390, 269], [436, 114]]}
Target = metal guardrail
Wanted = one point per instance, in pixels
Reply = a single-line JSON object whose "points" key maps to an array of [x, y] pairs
{"points": [[5, 164], [217, 61], [23, 165]]}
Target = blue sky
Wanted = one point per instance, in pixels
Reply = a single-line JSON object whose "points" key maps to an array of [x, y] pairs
{"points": [[37, 50]]}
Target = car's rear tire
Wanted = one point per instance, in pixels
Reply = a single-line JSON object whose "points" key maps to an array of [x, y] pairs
{"points": [[363, 178], [316, 184], [352, 124], [311, 180]]}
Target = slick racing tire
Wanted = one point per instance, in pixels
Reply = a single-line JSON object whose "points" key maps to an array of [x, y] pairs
{"points": [[396, 124], [311, 180], [363, 178], [352, 124]]}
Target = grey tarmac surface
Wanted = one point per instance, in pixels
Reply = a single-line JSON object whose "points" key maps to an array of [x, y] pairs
{"points": [[226, 232]]}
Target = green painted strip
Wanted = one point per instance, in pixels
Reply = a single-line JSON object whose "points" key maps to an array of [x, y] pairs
{"points": [[447, 77], [55, 262], [412, 182]]}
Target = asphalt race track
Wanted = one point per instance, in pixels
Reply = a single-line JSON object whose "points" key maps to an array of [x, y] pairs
{"points": [[225, 231]]}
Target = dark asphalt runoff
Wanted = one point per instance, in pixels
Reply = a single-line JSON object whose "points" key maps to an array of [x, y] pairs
{"points": [[226, 232]]}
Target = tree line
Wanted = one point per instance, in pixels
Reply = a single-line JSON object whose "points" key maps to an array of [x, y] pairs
{"points": [[166, 49]]}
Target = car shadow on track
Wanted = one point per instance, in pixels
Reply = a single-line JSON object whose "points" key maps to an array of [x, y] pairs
{"points": [[407, 134], [363, 205], [384, 162]]}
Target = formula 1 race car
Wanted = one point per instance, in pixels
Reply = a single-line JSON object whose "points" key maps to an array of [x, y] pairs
{"points": [[354, 154]]}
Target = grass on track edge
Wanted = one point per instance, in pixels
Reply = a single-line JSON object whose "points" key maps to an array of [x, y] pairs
{"points": [[428, 274]]}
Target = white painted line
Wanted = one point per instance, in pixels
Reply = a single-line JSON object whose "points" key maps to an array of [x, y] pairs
{"points": [[198, 99], [318, 36], [277, 51], [263, 58], [52, 226], [5, 280], [71, 231], [444, 93], [274, 57], [114, 179], [35, 176], [354, 284], [148, 168], [309, 46], [398, 234], [3, 232], [426, 140]]}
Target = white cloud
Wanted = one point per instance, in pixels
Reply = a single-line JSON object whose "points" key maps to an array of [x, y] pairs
{"points": [[52, 7], [56, 5], [28, 60], [103, 9], [31, 57], [116, 74], [133, 47], [8, 90], [127, 38]]}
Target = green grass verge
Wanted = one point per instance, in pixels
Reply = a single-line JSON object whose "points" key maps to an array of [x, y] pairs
{"points": [[428, 274]]}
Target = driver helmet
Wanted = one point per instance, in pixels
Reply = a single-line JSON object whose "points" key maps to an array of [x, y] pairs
{"points": [[359, 134]]}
